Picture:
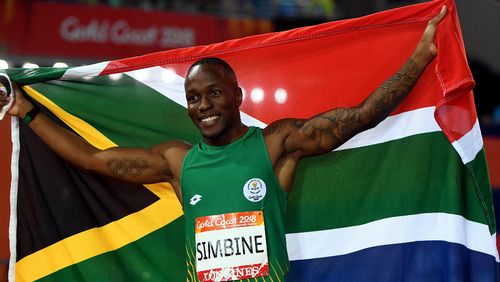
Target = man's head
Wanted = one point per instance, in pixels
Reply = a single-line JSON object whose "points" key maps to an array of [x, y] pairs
{"points": [[213, 99], [214, 61]]}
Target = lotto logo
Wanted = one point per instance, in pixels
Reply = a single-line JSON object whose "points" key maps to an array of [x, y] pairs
{"points": [[195, 199]]}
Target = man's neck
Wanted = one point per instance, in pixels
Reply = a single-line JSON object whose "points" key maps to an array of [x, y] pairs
{"points": [[227, 137]]}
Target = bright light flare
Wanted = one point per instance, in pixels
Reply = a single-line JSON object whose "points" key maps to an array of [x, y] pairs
{"points": [[280, 95], [115, 76], [4, 64], [257, 95], [60, 65], [29, 65]]}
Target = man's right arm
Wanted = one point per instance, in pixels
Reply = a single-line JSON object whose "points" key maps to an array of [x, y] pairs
{"points": [[137, 165]]}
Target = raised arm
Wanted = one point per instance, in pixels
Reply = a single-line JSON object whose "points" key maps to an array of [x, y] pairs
{"points": [[327, 131], [137, 165]]}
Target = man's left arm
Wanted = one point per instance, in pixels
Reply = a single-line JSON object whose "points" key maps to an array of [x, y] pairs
{"points": [[327, 131]]}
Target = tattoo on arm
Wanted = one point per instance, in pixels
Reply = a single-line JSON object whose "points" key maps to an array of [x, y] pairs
{"points": [[127, 167], [330, 129], [392, 92], [277, 127]]}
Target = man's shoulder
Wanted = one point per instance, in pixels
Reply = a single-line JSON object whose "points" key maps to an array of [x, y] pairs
{"points": [[279, 127], [276, 134], [172, 147], [173, 153]]}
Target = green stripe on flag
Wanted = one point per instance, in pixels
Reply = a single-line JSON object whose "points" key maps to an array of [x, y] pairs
{"points": [[417, 174], [164, 250], [481, 180], [31, 76], [126, 111]]}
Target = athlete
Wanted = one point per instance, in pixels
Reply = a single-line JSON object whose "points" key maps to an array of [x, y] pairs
{"points": [[234, 184]]}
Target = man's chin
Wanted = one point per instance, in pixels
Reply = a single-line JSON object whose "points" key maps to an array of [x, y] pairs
{"points": [[210, 133]]}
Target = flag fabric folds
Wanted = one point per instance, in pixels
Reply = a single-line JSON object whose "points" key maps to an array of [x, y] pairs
{"points": [[408, 200]]}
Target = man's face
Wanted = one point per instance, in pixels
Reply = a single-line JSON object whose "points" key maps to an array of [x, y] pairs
{"points": [[213, 100]]}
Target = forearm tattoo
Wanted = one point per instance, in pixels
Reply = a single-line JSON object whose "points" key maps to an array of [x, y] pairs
{"points": [[332, 128], [127, 167], [392, 92]]}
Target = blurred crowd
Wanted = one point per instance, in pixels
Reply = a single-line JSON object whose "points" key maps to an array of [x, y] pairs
{"points": [[232, 8], [487, 96]]}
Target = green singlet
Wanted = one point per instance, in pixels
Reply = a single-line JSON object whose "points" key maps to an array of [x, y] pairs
{"points": [[231, 179]]}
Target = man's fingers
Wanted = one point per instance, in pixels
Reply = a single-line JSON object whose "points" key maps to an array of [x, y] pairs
{"points": [[4, 99], [431, 26], [439, 17]]}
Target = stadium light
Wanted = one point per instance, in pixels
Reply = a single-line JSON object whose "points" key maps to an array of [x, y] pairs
{"points": [[280, 95], [28, 65], [257, 95], [115, 76], [60, 65], [4, 64]]}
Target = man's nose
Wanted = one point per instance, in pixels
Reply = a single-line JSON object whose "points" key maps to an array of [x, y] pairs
{"points": [[205, 104]]}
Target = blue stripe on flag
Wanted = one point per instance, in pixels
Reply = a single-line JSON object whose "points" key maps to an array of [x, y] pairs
{"points": [[418, 261]]}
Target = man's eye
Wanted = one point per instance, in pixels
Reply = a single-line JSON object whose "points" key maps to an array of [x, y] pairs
{"points": [[192, 98], [216, 92]]}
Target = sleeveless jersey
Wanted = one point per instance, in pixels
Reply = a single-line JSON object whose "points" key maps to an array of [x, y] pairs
{"points": [[216, 180]]}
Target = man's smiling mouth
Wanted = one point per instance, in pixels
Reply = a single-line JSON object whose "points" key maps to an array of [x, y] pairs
{"points": [[210, 120]]}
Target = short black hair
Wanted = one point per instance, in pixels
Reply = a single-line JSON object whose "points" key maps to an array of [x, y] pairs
{"points": [[213, 61]]}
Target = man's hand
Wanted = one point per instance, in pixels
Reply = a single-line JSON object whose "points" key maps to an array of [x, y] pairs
{"points": [[426, 49], [21, 105]]}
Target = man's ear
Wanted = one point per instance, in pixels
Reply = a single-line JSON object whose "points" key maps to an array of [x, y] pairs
{"points": [[239, 96]]}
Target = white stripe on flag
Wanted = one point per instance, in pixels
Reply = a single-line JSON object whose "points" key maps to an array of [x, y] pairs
{"points": [[85, 71], [16, 145], [395, 230], [171, 85], [395, 127], [470, 144]]}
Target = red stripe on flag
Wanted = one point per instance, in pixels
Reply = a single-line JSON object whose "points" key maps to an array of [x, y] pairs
{"points": [[456, 115], [305, 71]]}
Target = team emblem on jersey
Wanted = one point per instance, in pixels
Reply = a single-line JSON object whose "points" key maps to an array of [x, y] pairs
{"points": [[254, 190]]}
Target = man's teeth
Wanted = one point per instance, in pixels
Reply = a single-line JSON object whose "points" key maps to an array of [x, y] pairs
{"points": [[209, 120]]}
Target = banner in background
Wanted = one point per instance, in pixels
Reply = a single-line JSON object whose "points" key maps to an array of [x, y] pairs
{"points": [[82, 31], [408, 200]]}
